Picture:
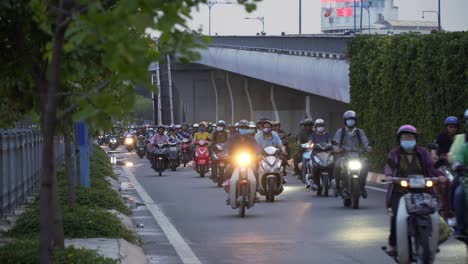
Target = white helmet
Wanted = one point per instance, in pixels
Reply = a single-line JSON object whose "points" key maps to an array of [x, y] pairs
{"points": [[195, 125], [319, 121]]}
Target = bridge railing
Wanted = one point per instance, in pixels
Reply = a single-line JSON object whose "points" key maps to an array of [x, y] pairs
{"points": [[21, 165], [307, 43]]}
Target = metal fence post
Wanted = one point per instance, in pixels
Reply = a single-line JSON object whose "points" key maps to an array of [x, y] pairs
{"points": [[12, 165], [5, 172]]}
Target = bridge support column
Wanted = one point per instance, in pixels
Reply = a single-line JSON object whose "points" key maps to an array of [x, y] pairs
{"points": [[228, 84], [273, 103], [216, 96], [249, 99]]}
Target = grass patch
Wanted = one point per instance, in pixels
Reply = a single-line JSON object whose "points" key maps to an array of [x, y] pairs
{"points": [[26, 252]]}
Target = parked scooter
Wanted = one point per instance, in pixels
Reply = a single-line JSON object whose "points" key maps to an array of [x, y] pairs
{"points": [[417, 221], [141, 147], [242, 185], [202, 157], [269, 171], [173, 154], [185, 151], [320, 167], [113, 143], [218, 164], [130, 143], [159, 158]]}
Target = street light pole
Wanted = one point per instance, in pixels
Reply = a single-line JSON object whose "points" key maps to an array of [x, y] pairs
{"points": [[300, 17], [354, 13], [210, 4], [438, 18], [261, 19]]}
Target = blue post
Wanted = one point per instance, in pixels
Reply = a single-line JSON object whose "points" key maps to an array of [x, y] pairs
{"points": [[75, 158], [83, 143]]}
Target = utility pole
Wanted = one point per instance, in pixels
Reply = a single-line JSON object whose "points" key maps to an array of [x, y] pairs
{"points": [[438, 18], [354, 14], [360, 15], [300, 17]]}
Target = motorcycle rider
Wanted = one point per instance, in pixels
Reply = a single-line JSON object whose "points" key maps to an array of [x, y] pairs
{"points": [[158, 138], [407, 158], [285, 142], [267, 138], [319, 136], [458, 155], [350, 138], [173, 136], [446, 137], [302, 138], [185, 133], [202, 133], [243, 141], [195, 129], [219, 136]]}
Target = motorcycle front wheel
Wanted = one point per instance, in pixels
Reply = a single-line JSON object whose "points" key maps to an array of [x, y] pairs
{"points": [[243, 200], [271, 190], [201, 170], [356, 193], [220, 177]]}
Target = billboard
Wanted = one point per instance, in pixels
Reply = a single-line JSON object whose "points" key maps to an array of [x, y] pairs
{"points": [[339, 14]]}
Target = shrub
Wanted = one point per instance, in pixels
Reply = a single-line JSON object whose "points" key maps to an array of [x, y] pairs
{"points": [[26, 252], [407, 79]]}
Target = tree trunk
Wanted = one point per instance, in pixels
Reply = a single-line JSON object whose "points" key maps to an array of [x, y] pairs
{"points": [[68, 160], [77, 157], [51, 225]]}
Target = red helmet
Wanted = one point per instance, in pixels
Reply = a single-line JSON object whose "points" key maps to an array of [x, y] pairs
{"points": [[407, 129]]}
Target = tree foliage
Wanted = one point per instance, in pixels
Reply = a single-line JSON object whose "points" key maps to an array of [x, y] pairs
{"points": [[407, 79]]}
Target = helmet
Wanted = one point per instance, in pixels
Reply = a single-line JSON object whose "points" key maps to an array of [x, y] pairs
{"points": [[236, 124], [253, 125], [160, 126], [319, 121], [268, 121], [349, 114], [195, 125], [407, 129], [203, 123], [178, 126], [308, 121], [243, 123], [221, 123], [301, 122], [451, 120]]}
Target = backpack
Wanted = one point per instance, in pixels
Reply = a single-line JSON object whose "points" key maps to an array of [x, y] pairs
{"points": [[343, 131]]}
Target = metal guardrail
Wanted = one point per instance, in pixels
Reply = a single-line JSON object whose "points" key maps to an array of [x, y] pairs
{"points": [[327, 44], [337, 56], [21, 165]]}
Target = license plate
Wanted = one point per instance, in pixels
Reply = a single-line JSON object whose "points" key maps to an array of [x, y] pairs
{"points": [[202, 161], [160, 158], [417, 182], [173, 148]]}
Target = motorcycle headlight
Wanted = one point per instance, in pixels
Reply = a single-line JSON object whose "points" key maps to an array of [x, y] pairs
{"points": [[354, 165], [129, 141], [113, 140], [243, 159]]}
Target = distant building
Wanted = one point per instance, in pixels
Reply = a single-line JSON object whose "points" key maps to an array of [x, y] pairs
{"points": [[378, 16]]}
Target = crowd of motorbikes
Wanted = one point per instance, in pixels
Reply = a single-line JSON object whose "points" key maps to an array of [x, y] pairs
{"points": [[419, 218]]}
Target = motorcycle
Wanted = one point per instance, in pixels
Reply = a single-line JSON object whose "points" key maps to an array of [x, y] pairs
{"points": [[306, 156], [218, 164], [141, 147], [284, 161], [113, 144], [269, 171], [173, 154], [320, 167], [350, 181], [242, 185], [159, 158], [101, 140], [202, 157], [185, 151], [417, 221], [130, 143]]}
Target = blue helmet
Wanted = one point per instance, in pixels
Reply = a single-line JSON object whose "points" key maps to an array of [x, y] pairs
{"points": [[451, 120]]}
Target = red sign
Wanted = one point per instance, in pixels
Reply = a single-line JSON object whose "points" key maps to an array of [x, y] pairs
{"points": [[344, 12]]}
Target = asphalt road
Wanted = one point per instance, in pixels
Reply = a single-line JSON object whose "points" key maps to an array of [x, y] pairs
{"points": [[297, 228]]}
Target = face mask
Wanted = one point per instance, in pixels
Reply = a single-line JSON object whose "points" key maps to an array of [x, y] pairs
{"points": [[350, 122], [267, 130], [244, 131], [408, 144], [320, 129], [201, 129], [219, 129]]}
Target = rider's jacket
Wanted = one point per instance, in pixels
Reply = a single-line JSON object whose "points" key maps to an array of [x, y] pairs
{"points": [[351, 140], [157, 139], [199, 136], [219, 137], [185, 134], [274, 140], [320, 138]]}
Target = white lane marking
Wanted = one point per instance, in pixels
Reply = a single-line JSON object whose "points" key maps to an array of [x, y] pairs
{"points": [[182, 248], [376, 189]]}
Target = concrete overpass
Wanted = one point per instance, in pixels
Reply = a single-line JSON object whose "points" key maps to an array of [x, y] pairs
{"points": [[284, 78]]}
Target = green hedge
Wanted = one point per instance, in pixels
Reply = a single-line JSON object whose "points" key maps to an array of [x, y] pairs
{"points": [[26, 252], [407, 79]]}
